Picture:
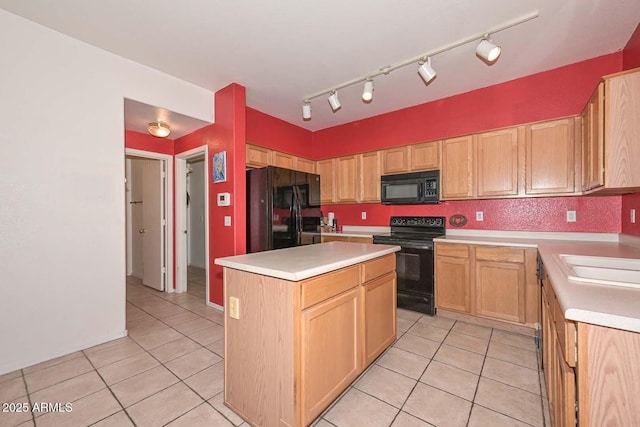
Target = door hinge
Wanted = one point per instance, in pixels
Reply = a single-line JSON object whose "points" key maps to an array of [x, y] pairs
{"points": [[164, 222], [164, 270]]}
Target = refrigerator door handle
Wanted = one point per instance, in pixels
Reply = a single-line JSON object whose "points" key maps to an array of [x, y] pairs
{"points": [[296, 192]]}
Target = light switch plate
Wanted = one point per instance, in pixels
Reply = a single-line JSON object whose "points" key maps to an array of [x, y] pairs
{"points": [[234, 308], [364, 215], [571, 216], [479, 216], [633, 216], [227, 221]]}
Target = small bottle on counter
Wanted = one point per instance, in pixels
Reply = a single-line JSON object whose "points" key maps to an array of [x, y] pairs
{"points": [[335, 225]]}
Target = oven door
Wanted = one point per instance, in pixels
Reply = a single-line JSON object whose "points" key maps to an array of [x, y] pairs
{"points": [[414, 269]]}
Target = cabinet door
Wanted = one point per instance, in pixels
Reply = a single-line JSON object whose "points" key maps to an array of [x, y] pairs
{"points": [[395, 160], [496, 155], [457, 168], [564, 407], [347, 178], [370, 167], [550, 157], [304, 165], [425, 156], [329, 338], [257, 156], [326, 170], [332, 238], [500, 290], [282, 160], [452, 284], [593, 141], [380, 313]]}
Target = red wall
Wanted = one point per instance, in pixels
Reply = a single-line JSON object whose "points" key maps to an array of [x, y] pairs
{"points": [[271, 132], [143, 141], [594, 214], [560, 92], [631, 52], [227, 134]]}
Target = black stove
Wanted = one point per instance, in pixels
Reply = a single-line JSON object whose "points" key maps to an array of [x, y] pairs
{"points": [[414, 261]]}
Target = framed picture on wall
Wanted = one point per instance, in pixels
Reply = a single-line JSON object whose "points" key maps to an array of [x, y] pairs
{"points": [[220, 167]]}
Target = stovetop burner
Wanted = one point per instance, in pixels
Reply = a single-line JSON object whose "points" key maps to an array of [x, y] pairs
{"points": [[409, 230]]}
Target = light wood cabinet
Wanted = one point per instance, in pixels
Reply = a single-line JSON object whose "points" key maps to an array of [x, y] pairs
{"points": [[497, 282], [326, 169], [452, 284], [330, 336], [304, 165], [395, 160], [287, 333], [424, 156], [336, 238], [593, 141], [496, 163], [612, 151], [370, 166], [282, 160], [257, 157], [550, 157], [347, 176], [456, 176]]}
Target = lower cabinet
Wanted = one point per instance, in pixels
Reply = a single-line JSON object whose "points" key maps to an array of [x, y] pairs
{"points": [[496, 282], [295, 346], [335, 238], [330, 351]]}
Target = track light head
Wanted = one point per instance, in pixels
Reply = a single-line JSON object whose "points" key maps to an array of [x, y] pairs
{"points": [[367, 93], [487, 51], [306, 110], [426, 71], [333, 101]]}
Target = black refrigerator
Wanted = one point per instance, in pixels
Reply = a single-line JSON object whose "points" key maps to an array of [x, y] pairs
{"points": [[283, 208]]}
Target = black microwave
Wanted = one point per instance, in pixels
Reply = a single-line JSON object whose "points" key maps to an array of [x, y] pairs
{"points": [[410, 188]]}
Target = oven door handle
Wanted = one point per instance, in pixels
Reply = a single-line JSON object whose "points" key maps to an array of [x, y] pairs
{"points": [[428, 247]]}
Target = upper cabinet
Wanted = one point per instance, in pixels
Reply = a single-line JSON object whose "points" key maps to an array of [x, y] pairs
{"points": [[456, 176], [346, 179], [370, 166], [326, 169], [612, 129], [259, 157], [304, 165], [496, 161], [551, 157], [395, 160], [282, 160], [424, 156]]}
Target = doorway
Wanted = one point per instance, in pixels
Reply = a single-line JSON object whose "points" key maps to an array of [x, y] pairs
{"points": [[192, 222], [148, 222]]}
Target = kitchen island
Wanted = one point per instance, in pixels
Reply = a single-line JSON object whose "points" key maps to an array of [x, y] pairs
{"points": [[301, 324]]}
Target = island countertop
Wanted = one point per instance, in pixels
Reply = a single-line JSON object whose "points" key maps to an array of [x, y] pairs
{"points": [[303, 262]]}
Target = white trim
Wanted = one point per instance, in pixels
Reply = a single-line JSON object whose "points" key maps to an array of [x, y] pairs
{"points": [[181, 190], [168, 196], [216, 306]]}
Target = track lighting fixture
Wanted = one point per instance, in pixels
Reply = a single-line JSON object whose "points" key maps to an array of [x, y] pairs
{"points": [[487, 51], [159, 129], [426, 71], [306, 110], [334, 101], [367, 93]]}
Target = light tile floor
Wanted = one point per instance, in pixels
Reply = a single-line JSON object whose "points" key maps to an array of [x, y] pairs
{"points": [[169, 371]]}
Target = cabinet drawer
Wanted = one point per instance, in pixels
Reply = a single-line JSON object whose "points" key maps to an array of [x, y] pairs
{"points": [[326, 286], [499, 253], [452, 249], [566, 329], [378, 267], [361, 239]]}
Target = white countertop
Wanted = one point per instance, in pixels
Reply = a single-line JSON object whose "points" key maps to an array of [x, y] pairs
{"points": [[612, 306], [303, 262]]}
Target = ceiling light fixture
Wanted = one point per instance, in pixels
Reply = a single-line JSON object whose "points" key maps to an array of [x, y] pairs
{"points": [[159, 129], [367, 93], [334, 101], [487, 51], [426, 71], [486, 47], [306, 110]]}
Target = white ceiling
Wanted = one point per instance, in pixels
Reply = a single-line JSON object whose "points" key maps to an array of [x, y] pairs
{"points": [[284, 50]]}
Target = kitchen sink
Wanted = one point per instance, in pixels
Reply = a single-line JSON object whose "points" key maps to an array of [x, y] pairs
{"points": [[603, 270]]}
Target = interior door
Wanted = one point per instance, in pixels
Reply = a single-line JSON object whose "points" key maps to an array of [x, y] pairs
{"points": [[153, 225]]}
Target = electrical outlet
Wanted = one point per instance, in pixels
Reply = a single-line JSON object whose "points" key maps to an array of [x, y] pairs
{"points": [[234, 308], [633, 216], [571, 216], [227, 221], [479, 216], [364, 215]]}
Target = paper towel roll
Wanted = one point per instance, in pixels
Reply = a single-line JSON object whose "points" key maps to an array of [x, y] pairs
{"points": [[330, 218]]}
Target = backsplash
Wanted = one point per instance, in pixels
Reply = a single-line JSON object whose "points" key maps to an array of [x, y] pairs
{"points": [[593, 214]]}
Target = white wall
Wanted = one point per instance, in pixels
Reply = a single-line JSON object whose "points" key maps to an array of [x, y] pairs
{"points": [[197, 231], [62, 213]]}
